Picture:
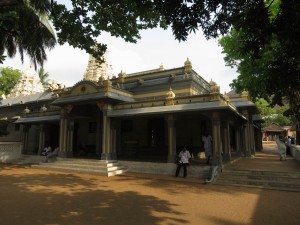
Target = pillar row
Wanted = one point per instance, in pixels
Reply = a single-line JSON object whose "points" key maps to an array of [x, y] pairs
{"points": [[171, 138]]}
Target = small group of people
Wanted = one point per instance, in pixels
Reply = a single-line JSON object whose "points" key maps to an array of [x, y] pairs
{"points": [[184, 155], [48, 153]]}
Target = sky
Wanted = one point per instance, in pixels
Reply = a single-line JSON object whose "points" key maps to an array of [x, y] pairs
{"points": [[156, 47]]}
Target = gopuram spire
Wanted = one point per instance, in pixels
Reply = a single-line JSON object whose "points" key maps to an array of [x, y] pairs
{"points": [[95, 70], [29, 83]]}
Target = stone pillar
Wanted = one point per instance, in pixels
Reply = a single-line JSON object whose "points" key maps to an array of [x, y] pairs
{"points": [[41, 139], [217, 140], [98, 137], [63, 134], [106, 134], [238, 140], [171, 139], [113, 139], [247, 137], [226, 143], [70, 135], [25, 138], [252, 137]]}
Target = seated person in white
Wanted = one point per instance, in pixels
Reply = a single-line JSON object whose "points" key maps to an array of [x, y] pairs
{"points": [[46, 150], [52, 154]]}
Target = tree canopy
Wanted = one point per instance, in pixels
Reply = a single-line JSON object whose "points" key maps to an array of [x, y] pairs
{"points": [[273, 114], [8, 79], [268, 60], [24, 27], [43, 75], [81, 24]]}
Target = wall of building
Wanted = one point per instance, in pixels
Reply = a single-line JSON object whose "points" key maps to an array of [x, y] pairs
{"points": [[10, 151]]}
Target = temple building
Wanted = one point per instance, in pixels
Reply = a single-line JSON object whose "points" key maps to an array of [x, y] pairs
{"points": [[146, 116]]}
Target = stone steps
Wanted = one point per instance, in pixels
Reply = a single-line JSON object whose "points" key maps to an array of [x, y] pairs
{"points": [[261, 179], [95, 167]]}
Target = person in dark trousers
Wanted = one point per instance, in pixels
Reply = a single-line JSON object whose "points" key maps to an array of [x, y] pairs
{"points": [[288, 144], [184, 157]]}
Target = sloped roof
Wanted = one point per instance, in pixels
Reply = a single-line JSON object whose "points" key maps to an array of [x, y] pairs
{"points": [[273, 127]]}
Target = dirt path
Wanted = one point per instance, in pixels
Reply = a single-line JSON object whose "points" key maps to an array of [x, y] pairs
{"points": [[36, 197]]}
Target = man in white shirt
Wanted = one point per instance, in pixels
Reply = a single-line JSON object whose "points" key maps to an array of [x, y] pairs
{"points": [[184, 157]]}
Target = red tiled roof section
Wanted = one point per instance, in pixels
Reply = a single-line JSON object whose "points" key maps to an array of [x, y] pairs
{"points": [[273, 127]]}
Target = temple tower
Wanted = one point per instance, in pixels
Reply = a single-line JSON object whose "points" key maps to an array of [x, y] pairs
{"points": [[29, 83], [96, 70]]}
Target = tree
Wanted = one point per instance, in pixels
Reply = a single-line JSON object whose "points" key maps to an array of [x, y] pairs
{"points": [[44, 77], [24, 27], [269, 66], [272, 114], [81, 24], [8, 79]]}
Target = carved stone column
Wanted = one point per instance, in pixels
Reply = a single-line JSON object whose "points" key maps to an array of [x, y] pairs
{"points": [[171, 139], [217, 140]]}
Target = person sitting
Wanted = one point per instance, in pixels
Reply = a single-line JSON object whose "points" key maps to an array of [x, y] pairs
{"points": [[46, 150], [52, 154]]}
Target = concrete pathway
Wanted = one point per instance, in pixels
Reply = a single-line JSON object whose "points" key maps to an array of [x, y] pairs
{"points": [[267, 160], [37, 197]]}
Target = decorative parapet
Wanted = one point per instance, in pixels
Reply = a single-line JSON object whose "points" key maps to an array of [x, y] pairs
{"points": [[245, 95], [188, 66], [170, 97], [107, 85], [121, 77], [226, 98], [43, 108], [161, 67], [214, 91], [26, 110]]}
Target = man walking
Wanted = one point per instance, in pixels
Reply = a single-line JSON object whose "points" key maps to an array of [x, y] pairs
{"points": [[184, 157]]}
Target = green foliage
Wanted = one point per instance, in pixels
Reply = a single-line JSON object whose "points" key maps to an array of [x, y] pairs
{"points": [[23, 27], [268, 57], [273, 114], [44, 77], [83, 22], [8, 79]]}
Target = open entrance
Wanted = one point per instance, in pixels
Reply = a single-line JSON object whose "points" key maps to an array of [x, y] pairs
{"points": [[87, 135], [143, 139]]}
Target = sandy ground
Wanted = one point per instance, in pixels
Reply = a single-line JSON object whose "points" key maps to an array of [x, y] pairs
{"points": [[37, 197]]}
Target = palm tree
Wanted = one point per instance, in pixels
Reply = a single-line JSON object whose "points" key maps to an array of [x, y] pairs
{"points": [[44, 77], [24, 27]]}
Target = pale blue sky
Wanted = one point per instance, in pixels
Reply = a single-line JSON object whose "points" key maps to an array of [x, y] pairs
{"points": [[156, 47]]}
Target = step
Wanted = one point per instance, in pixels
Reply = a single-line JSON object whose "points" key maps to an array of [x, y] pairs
{"points": [[272, 178], [261, 179], [263, 172], [99, 167], [80, 170], [260, 184]]}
